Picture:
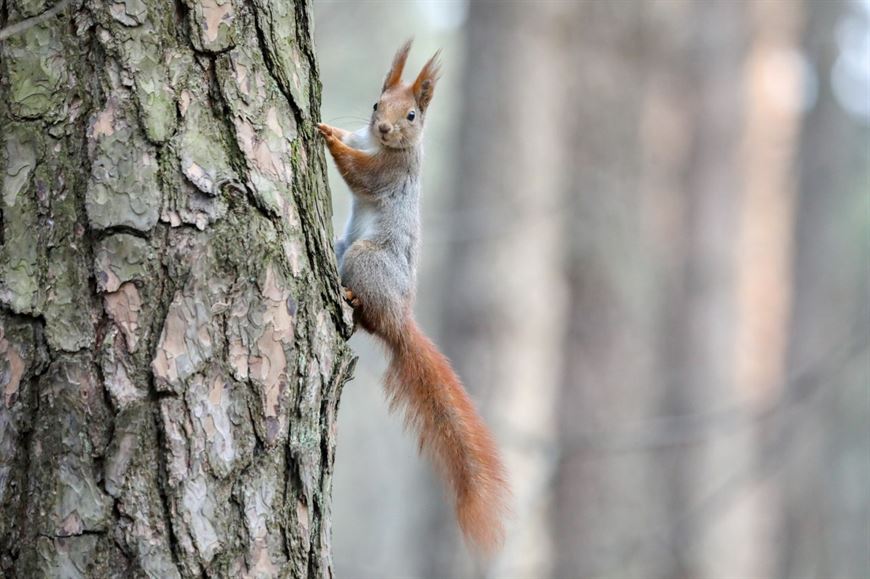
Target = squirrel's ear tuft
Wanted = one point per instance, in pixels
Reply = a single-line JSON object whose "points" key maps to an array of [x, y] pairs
{"points": [[424, 86], [394, 77]]}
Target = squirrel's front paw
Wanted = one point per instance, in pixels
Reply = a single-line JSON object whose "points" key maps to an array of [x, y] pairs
{"points": [[351, 298], [325, 130]]}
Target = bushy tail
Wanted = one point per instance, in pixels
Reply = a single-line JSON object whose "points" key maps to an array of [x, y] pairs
{"points": [[421, 382]]}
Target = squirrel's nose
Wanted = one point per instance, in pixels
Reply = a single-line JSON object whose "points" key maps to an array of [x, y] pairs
{"points": [[384, 128]]}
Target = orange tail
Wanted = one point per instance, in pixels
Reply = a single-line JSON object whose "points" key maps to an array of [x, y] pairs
{"points": [[421, 381]]}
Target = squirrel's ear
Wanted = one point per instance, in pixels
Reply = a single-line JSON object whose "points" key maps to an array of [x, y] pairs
{"points": [[394, 77], [424, 86]]}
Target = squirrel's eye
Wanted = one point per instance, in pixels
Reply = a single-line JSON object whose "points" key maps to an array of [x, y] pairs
{"points": [[374, 108], [411, 116]]}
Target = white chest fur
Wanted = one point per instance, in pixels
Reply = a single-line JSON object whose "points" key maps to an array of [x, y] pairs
{"points": [[363, 223]]}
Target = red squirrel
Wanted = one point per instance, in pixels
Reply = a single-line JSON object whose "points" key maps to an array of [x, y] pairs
{"points": [[377, 257]]}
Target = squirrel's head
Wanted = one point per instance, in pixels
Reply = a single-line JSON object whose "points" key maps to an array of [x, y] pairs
{"points": [[400, 112]]}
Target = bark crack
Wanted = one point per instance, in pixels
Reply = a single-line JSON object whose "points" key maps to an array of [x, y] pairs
{"points": [[237, 157], [101, 234], [162, 481], [156, 396], [23, 25], [269, 60], [82, 533], [303, 30], [24, 457], [314, 249]]}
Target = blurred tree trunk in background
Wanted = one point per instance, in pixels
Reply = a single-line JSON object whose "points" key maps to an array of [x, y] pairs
{"points": [[824, 531], [171, 342], [605, 499], [700, 366], [671, 371], [731, 315], [674, 208], [666, 131], [504, 302], [708, 534], [681, 223]]}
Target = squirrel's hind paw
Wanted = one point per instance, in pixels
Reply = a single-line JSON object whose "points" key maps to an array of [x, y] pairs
{"points": [[351, 298]]}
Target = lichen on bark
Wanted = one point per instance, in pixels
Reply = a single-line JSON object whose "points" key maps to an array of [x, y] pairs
{"points": [[172, 338]]}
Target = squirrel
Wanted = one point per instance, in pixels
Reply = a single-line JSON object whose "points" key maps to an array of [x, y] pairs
{"points": [[377, 258]]}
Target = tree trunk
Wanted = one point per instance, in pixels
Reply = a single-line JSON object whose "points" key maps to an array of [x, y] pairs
{"points": [[824, 450], [504, 298], [172, 345], [701, 309], [605, 496]]}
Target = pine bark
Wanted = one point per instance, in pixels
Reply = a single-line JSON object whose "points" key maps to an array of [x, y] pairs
{"points": [[172, 343]]}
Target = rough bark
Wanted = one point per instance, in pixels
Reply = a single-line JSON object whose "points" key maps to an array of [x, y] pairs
{"points": [[173, 344]]}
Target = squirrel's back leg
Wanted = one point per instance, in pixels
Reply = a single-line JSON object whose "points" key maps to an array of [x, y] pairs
{"points": [[381, 284]]}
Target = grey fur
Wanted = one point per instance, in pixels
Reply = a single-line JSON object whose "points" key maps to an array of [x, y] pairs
{"points": [[378, 253]]}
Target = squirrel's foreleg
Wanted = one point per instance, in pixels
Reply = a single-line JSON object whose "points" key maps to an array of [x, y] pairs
{"points": [[357, 167], [339, 134]]}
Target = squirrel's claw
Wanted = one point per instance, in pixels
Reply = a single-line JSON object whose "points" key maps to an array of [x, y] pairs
{"points": [[351, 298], [325, 130]]}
